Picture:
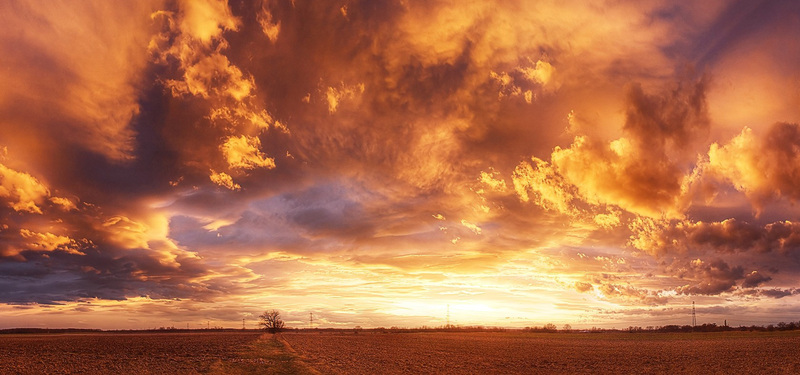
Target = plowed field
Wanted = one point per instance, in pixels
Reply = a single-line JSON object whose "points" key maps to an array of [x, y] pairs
{"points": [[531, 353], [110, 353], [400, 353]]}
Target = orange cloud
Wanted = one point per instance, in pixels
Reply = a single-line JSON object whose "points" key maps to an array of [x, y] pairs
{"points": [[335, 95], [244, 152], [195, 39], [637, 172], [270, 29], [548, 188], [213, 75], [67, 73], [225, 180], [50, 242], [205, 20], [22, 191], [764, 169]]}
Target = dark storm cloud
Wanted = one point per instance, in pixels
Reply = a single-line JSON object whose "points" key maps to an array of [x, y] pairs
{"points": [[109, 274], [754, 279], [109, 260], [729, 236], [708, 278]]}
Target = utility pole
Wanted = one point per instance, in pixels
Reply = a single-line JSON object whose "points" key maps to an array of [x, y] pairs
{"points": [[208, 325], [448, 316], [694, 316], [310, 320]]}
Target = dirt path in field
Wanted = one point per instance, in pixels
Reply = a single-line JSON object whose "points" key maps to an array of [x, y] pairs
{"points": [[269, 354]]}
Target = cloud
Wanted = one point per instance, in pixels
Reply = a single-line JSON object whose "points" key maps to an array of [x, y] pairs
{"points": [[583, 287], [225, 180], [270, 29], [49, 242], [205, 20], [727, 236], [88, 255], [708, 278], [335, 95], [70, 82], [65, 203], [212, 75], [754, 279], [473, 227], [527, 81], [22, 191], [244, 153], [549, 189], [195, 40], [636, 172], [764, 169], [629, 292], [249, 120]]}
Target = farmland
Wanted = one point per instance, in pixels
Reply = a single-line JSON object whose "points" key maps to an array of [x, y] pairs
{"points": [[144, 353], [344, 352], [525, 353]]}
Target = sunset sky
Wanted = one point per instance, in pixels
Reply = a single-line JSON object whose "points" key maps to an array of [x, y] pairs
{"points": [[186, 163]]}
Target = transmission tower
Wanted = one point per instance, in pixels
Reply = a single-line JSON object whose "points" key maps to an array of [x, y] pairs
{"points": [[242, 324], [310, 320], [694, 316], [448, 315]]}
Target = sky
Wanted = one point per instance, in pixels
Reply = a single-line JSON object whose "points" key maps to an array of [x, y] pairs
{"points": [[397, 162]]}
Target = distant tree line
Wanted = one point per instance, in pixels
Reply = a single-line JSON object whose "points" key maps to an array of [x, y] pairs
{"points": [[713, 327], [271, 321], [48, 330], [552, 328]]}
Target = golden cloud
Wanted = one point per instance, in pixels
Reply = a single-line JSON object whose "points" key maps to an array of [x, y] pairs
{"points": [[50, 242], [617, 174], [205, 20], [195, 39], [225, 180], [546, 186], [22, 191], [764, 169], [125, 232], [67, 73], [213, 75], [335, 95], [271, 29], [244, 152]]}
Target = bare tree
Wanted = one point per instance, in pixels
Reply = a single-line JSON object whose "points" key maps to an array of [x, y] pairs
{"points": [[271, 321], [567, 327]]}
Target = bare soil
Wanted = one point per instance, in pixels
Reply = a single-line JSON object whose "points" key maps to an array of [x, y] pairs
{"points": [[541, 353], [400, 353], [123, 353]]}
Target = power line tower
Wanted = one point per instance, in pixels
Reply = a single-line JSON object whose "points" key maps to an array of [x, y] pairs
{"points": [[242, 324], [694, 316], [310, 320], [448, 316]]}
